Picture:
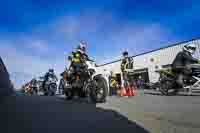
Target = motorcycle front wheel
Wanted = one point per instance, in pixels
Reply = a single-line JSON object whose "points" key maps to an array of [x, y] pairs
{"points": [[168, 88], [69, 94], [99, 90], [52, 89]]}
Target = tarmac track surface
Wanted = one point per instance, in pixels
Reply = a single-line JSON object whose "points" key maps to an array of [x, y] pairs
{"points": [[139, 114], [160, 114]]}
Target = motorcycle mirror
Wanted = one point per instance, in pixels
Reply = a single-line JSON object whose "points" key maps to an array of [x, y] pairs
{"points": [[91, 60], [69, 58]]}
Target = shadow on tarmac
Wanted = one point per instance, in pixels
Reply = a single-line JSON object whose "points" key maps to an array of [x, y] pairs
{"points": [[38, 114]]}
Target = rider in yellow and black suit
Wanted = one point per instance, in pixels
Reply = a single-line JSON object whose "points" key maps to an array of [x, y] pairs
{"points": [[78, 58]]}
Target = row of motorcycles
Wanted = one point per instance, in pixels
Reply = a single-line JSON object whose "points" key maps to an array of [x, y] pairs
{"points": [[88, 83], [35, 87], [85, 82]]}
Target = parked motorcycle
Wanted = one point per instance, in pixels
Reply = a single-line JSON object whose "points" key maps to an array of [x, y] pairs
{"points": [[87, 83], [169, 86]]}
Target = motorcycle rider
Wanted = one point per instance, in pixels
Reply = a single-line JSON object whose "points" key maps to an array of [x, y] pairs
{"points": [[78, 58], [182, 60], [50, 73]]}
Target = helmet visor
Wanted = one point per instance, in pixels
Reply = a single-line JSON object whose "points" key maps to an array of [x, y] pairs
{"points": [[192, 48]]}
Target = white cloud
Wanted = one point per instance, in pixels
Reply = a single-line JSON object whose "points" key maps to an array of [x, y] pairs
{"points": [[23, 67], [39, 45], [137, 39]]}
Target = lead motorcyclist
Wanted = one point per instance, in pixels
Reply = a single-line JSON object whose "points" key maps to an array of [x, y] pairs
{"points": [[78, 59], [182, 60], [50, 73]]}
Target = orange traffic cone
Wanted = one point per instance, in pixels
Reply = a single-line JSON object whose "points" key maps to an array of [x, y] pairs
{"points": [[123, 92], [131, 91], [134, 91], [128, 91]]}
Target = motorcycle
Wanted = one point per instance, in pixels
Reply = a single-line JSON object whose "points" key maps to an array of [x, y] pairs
{"points": [[86, 82], [169, 86], [50, 86], [29, 90], [62, 82]]}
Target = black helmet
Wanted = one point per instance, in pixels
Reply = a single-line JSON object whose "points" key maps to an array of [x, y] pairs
{"points": [[51, 70], [125, 53]]}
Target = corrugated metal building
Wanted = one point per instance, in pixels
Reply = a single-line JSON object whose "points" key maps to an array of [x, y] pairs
{"points": [[145, 64]]}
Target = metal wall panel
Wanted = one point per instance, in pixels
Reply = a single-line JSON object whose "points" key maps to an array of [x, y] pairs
{"points": [[161, 57]]}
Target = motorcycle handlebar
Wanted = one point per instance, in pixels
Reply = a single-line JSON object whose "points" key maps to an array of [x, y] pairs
{"points": [[90, 60]]}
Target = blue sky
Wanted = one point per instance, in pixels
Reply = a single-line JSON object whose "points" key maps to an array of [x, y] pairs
{"points": [[37, 34]]}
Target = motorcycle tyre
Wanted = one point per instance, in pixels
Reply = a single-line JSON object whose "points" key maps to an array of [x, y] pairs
{"points": [[93, 95], [166, 86], [69, 94], [52, 91]]}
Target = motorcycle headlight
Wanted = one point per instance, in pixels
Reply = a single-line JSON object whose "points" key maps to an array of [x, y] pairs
{"points": [[91, 71]]}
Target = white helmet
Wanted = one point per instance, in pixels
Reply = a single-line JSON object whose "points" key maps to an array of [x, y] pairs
{"points": [[191, 48], [82, 47]]}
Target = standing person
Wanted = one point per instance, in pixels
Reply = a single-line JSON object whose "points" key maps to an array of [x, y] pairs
{"points": [[140, 83], [127, 63]]}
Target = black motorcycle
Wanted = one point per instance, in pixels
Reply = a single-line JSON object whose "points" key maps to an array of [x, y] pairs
{"points": [[169, 86], [86, 83]]}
